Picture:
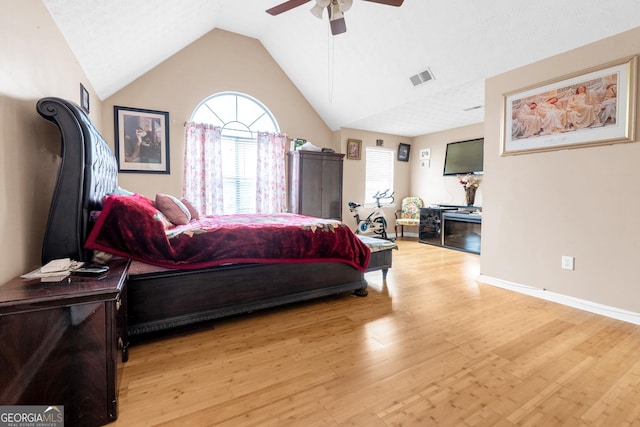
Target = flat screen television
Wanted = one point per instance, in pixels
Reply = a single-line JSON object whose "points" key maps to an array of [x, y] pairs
{"points": [[464, 157]]}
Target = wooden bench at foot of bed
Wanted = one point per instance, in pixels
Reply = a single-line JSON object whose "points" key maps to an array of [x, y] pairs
{"points": [[381, 253]]}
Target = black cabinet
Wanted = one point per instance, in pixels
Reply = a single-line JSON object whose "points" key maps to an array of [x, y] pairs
{"points": [[455, 227], [315, 184], [430, 230], [462, 231]]}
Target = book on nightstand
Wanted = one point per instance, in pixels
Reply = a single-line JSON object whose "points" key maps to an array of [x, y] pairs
{"points": [[53, 271]]}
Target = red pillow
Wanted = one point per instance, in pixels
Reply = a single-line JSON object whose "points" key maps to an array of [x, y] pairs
{"points": [[193, 211]]}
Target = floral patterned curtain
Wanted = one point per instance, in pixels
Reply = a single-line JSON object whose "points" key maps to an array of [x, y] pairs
{"points": [[271, 193], [202, 185]]}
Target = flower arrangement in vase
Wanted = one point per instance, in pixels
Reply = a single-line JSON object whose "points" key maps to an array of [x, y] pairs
{"points": [[470, 183]]}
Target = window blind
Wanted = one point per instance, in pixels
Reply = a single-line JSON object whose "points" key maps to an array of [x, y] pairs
{"points": [[379, 172], [239, 159]]}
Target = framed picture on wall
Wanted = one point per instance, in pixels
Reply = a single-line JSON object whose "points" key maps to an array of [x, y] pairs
{"points": [[403, 152], [141, 140], [354, 148], [591, 107], [84, 98]]}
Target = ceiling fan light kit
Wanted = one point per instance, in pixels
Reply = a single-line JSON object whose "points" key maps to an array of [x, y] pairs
{"points": [[338, 26], [317, 11], [345, 4], [335, 9]]}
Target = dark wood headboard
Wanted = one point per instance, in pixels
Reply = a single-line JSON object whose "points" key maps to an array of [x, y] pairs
{"points": [[88, 170]]}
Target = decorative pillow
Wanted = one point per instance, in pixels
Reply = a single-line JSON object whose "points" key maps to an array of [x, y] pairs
{"points": [[173, 209], [193, 211]]}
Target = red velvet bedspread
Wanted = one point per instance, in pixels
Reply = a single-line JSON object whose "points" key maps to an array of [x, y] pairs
{"points": [[130, 226]]}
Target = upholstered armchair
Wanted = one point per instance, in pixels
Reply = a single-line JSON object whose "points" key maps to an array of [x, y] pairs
{"points": [[409, 214]]}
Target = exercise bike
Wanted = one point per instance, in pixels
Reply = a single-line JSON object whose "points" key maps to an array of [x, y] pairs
{"points": [[375, 222]]}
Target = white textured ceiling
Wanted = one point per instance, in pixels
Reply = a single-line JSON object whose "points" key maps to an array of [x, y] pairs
{"points": [[359, 79]]}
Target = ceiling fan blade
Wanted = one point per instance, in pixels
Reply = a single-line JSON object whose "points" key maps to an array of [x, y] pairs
{"points": [[388, 2], [288, 5]]}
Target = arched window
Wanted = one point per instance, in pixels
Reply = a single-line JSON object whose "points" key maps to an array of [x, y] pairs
{"points": [[235, 112], [240, 117]]}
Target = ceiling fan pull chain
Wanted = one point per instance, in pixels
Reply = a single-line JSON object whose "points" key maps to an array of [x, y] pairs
{"points": [[330, 64]]}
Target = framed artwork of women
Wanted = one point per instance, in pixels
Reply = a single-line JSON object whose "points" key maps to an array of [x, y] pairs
{"points": [[592, 107]]}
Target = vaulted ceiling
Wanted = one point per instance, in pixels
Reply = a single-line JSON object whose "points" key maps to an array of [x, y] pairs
{"points": [[359, 79]]}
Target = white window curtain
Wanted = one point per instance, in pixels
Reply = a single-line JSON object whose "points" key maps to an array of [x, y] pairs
{"points": [[202, 185], [271, 194]]}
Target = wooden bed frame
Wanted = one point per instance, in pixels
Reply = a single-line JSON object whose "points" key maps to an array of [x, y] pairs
{"points": [[159, 300]]}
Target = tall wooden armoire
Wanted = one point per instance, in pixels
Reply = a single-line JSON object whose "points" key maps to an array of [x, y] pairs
{"points": [[315, 184]]}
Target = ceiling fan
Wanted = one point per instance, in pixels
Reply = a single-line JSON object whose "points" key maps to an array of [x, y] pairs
{"points": [[335, 8]]}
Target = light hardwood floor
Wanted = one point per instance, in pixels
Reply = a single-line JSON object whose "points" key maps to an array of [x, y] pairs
{"points": [[430, 347]]}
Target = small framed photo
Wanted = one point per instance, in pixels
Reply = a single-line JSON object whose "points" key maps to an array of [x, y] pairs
{"points": [[84, 99], [403, 152], [425, 154], [354, 149], [141, 140]]}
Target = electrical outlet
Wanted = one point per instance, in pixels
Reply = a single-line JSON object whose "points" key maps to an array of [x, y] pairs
{"points": [[567, 262]]}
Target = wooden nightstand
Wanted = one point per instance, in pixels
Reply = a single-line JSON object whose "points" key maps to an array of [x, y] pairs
{"points": [[64, 343]]}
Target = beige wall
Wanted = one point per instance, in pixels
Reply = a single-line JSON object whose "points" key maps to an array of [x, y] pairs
{"points": [[427, 181], [354, 171], [218, 61], [581, 202], [35, 62]]}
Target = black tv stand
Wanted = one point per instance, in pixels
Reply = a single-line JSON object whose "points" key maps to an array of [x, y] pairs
{"points": [[451, 226]]}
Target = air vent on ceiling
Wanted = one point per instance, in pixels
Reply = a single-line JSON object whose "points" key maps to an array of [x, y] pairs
{"points": [[421, 77]]}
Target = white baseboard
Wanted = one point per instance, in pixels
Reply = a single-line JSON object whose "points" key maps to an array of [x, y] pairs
{"points": [[592, 307]]}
